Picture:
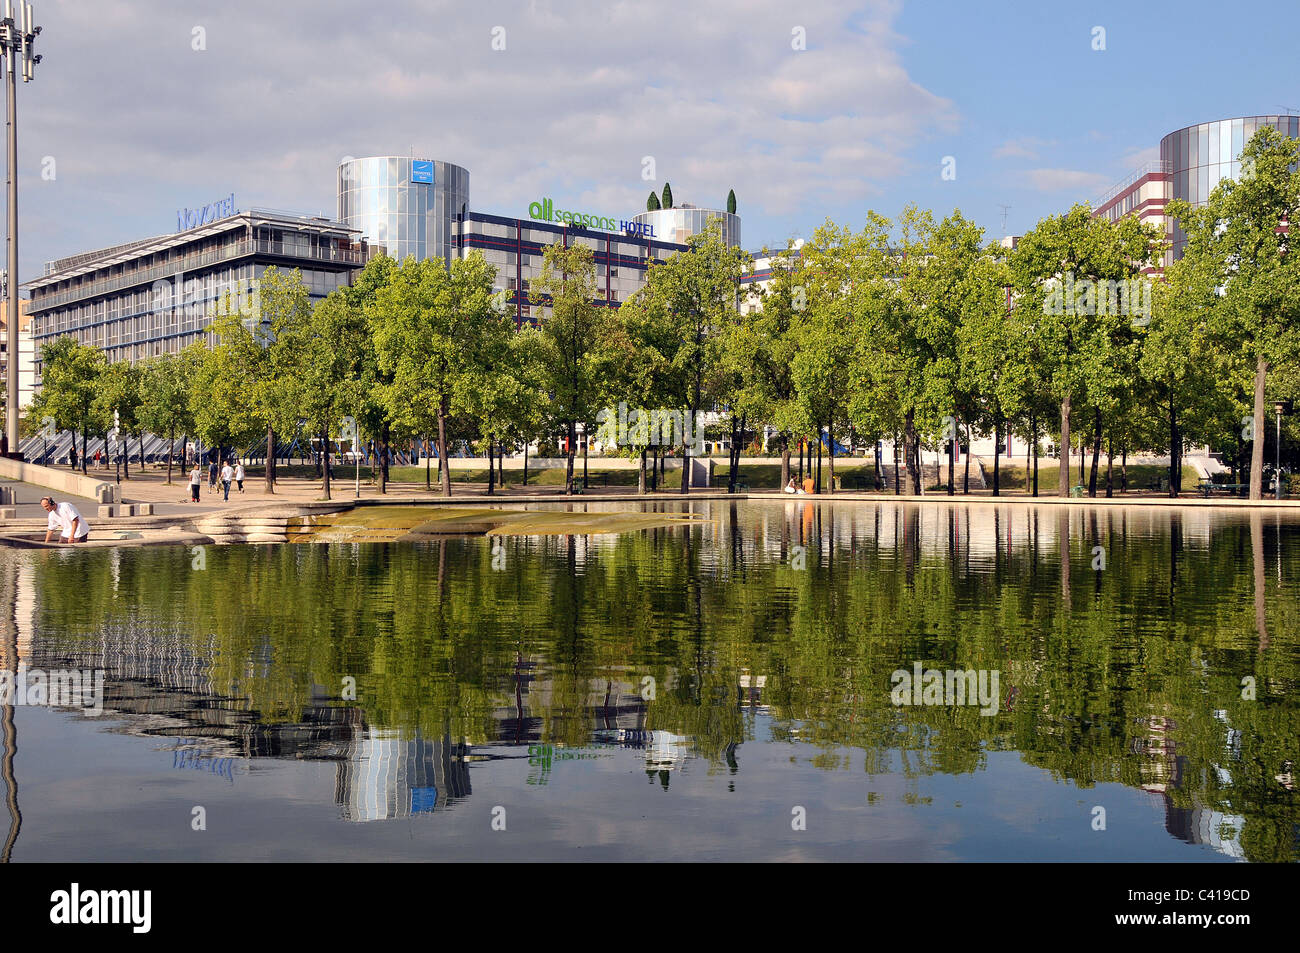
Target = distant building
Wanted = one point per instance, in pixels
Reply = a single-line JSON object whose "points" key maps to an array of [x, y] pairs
{"points": [[1193, 160], [157, 295], [26, 352]]}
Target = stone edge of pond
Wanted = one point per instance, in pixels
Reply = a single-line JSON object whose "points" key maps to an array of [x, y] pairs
{"points": [[267, 522]]}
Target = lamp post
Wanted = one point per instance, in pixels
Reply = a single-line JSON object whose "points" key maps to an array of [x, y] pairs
{"points": [[1280, 407], [16, 47]]}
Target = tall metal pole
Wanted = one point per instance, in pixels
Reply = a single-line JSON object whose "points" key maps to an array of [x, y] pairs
{"points": [[17, 47], [11, 236]]}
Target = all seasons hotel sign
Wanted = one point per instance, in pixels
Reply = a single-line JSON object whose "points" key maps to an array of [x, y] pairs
{"points": [[546, 211]]}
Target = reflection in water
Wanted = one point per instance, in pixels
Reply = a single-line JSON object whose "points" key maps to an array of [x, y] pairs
{"points": [[663, 652]]}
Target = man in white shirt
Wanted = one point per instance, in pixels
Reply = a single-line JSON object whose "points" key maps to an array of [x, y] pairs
{"points": [[196, 478], [239, 476], [227, 475], [65, 520]]}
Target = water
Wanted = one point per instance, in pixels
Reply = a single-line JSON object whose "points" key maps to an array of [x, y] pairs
{"points": [[676, 693]]}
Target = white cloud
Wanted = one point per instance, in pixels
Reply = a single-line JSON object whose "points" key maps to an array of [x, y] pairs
{"points": [[1085, 184], [1026, 147], [582, 91]]}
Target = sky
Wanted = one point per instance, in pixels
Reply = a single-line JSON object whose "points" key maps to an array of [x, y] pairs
{"points": [[810, 111]]}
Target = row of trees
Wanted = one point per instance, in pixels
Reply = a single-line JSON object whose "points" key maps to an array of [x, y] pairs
{"points": [[913, 331]]}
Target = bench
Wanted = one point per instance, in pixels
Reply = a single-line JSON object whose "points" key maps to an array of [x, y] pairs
{"points": [[1207, 488]]}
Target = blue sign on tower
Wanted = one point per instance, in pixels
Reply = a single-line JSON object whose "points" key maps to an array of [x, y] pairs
{"points": [[422, 170]]}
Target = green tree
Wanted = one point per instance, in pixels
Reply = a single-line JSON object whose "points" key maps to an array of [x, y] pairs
{"points": [[731, 201], [1061, 268], [652, 203], [668, 196], [696, 292], [69, 382], [1238, 243], [119, 394], [567, 285], [165, 393], [430, 327]]}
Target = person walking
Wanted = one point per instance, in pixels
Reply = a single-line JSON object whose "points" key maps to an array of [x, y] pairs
{"points": [[212, 476], [65, 520], [239, 475], [226, 475], [196, 478]]}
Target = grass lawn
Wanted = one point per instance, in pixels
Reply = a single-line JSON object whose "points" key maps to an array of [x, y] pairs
{"points": [[1140, 477]]}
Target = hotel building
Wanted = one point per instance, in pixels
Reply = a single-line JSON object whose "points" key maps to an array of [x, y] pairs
{"points": [[157, 295]]}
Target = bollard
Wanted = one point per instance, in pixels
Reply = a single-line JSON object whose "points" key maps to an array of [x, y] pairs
{"points": [[106, 510]]}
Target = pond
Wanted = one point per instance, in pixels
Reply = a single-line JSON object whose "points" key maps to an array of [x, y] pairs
{"points": [[769, 681]]}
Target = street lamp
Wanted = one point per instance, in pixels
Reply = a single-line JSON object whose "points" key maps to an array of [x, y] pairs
{"points": [[16, 48], [1280, 407]]}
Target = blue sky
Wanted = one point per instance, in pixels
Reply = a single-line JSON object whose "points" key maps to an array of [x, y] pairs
{"points": [[145, 106], [1025, 74]]}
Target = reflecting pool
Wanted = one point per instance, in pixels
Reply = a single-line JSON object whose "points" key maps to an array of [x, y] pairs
{"points": [[732, 687]]}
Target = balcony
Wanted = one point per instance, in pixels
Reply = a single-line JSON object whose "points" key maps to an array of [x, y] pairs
{"points": [[346, 256]]}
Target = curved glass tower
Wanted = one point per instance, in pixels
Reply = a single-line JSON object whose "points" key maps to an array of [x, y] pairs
{"points": [[406, 205], [1199, 156], [682, 221]]}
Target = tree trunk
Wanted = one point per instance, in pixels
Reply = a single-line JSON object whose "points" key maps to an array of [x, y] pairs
{"points": [[965, 486], [1257, 445], [586, 442], [443, 410], [1063, 471], [731, 458], [897, 464], [830, 451], [1123, 470], [383, 458], [640, 477], [325, 462], [1096, 453], [952, 462], [571, 453], [909, 434], [268, 476], [1110, 466], [785, 461], [1174, 462], [427, 462], [818, 487], [1033, 435], [997, 455], [171, 449], [491, 473]]}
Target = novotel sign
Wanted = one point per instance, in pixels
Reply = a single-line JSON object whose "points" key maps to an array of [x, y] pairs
{"points": [[194, 217], [546, 211]]}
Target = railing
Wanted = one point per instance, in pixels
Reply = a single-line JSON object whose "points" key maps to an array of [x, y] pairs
{"points": [[1154, 166], [351, 256]]}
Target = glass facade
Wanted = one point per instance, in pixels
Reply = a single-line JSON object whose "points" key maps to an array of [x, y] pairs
{"points": [[1201, 156], [680, 223], [157, 297], [395, 205]]}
